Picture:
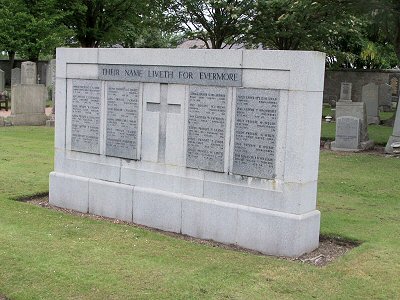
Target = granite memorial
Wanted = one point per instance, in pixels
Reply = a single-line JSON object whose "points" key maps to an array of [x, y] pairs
{"points": [[28, 72], [28, 99], [370, 96], [345, 91], [220, 145], [15, 76], [347, 134], [346, 108]]}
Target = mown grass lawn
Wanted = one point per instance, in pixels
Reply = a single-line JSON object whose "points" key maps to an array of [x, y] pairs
{"points": [[46, 254]]}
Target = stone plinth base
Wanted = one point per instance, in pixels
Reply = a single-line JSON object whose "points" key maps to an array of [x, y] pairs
{"points": [[264, 230], [389, 148], [27, 119], [367, 145]]}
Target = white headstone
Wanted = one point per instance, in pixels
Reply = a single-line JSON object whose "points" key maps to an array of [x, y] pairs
{"points": [[345, 91], [28, 73], [347, 134], [15, 76], [220, 145], [2, 81], [370, 96]]}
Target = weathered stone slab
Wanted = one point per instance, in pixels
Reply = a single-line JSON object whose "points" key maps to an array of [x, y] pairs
{"points": [[122, 119], [28, 73], [347, 133], [15, 76], [28, 104], [51, 73], [206, 128], [256, 125], [345, 91], [356, 110], [85, 120], [370, 95], [171, 74]]}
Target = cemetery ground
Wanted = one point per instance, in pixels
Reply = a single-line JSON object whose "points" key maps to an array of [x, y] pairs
{"points": [[48, 254]]}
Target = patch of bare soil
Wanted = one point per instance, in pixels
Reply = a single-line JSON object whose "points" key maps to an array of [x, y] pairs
{"points": [[330, 248], [3, 298]]}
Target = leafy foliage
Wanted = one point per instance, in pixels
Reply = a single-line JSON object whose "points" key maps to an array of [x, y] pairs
{"points": [[95, 22], [218, 23], [31, 27]]}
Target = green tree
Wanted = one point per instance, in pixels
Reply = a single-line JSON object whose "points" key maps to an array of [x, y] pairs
{"points": [[218, 23], [13, 20], [96, 22], [339, 28], [151, 30], [30, 28]]}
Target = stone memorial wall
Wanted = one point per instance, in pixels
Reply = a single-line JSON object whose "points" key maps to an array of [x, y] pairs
{"points": [[220, 145]]}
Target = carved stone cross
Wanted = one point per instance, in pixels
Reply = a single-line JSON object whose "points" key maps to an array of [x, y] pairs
{"points": [[163, 108]]}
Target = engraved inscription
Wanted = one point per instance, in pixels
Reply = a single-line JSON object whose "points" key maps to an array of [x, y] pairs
{"points": [[255, 132], [206, 128], [122, 119], [347, 132], [172, 74], [85, 126]]}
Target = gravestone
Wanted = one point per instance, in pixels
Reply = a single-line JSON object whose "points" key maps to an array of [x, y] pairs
{"points": [[220, 145], [385, 97], [395, 137], [15, 76], [28, 99], [28, 104], [358, 111], [347, 134], [28, 73], [345, 91], [51, 73], [2, 81], [370, 95]]}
